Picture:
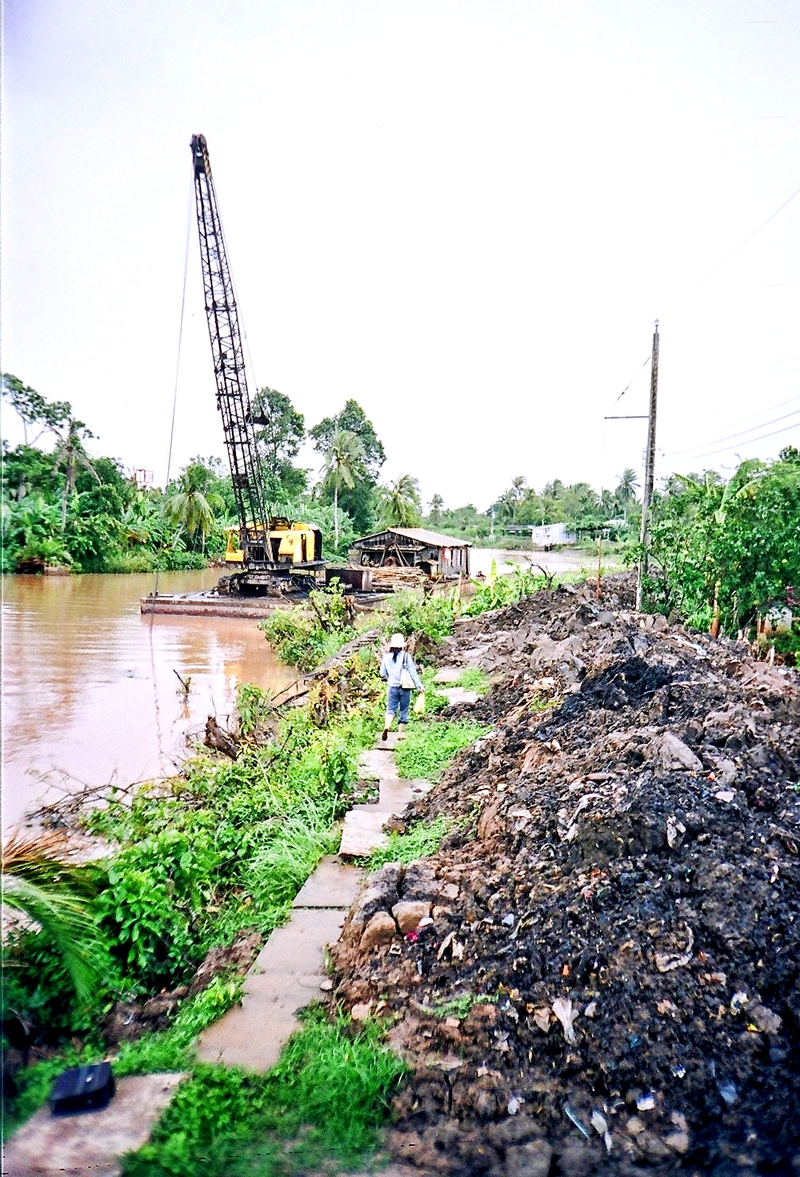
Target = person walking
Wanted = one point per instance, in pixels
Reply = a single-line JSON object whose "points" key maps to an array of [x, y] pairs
{"points": [[397, 667]]}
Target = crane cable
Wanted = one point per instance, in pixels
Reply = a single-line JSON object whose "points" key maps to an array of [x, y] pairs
{"points": [[180, 344], [159, 731]]}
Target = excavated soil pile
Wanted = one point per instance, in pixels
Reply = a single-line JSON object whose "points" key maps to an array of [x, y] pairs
{"points": [[599, 972]]}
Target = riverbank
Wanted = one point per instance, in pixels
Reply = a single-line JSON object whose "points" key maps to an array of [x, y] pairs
{"points": [[620, 765], [91, 690], [201, 868]]}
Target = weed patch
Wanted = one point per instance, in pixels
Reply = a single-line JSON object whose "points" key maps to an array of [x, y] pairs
{"points": [[194, 861], [432, 618], [430, 747], [473, 679], [323, 1101], [423, 841]]}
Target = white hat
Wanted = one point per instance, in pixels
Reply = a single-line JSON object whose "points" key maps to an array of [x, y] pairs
{"points": [[397, 642]]}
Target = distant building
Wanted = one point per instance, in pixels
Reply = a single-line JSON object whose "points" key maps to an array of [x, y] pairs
{"points": [[414, 547], [550, 535]]}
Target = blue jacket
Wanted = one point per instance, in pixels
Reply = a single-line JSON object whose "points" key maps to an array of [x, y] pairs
{"points": [[392, 668]]}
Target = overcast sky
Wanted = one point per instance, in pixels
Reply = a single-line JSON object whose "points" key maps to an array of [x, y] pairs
{"points": [[465, 214]]}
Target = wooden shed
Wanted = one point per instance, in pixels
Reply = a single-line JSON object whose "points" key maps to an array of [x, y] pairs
{"points": [[414, 547]]}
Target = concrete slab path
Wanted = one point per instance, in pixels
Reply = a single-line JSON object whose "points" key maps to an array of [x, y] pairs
{"points": [[459, 695], [286, 975], [363, 826], [88, 1144]]}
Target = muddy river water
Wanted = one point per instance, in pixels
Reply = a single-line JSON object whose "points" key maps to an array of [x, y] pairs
{"points": [[89, 684], [90, 690]]}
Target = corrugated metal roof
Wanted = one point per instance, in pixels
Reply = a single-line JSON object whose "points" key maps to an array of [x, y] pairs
{"points": [[422, 536]]}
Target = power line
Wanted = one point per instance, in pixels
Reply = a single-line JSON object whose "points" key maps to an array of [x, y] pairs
{"points": [[646, 360], [749, 441], [734, 436], [739, 247]]}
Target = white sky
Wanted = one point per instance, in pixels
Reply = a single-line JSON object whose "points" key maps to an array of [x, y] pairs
{"points": [[465, 214]]}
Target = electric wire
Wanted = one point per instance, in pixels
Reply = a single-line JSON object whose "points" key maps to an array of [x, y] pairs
{"points": [[747, 441], [644, 363], [738, 248], [712, 272], [733, 436]]}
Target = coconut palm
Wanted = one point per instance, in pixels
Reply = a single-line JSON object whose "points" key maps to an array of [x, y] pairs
{"points": [[517, 488], [343, 456], [192, 507], [400, 502], [626, 490], [628, 485], [506, 506], [70, 456], [42, 885], [437, 506]]}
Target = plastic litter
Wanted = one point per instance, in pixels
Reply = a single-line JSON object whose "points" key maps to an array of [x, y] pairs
{"points": [[728, 1092], [563, 1008], [568, 1112]]}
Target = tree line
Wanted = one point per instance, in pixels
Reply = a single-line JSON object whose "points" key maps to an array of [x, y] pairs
{"points": [[62, 507], [718, 548]]}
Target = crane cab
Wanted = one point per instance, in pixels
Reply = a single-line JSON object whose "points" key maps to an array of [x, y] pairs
{"points": [[282, 546]]}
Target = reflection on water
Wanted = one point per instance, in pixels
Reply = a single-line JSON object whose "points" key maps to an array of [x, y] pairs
{"points": [[90, 689]]}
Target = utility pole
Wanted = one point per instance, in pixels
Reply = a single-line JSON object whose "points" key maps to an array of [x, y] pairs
{"points": [[649, 467]]}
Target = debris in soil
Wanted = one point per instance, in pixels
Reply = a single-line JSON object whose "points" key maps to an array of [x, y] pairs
{"points": [[609, 978], [217, 738], [128, 1020]]}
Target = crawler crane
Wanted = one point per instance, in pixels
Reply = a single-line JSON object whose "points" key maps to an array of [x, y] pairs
{"points": [[273, 553]]}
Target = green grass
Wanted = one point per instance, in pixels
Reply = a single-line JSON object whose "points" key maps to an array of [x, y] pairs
{"points": [[322, 1102], [423, 841], [429, 747], [459, 1007], [473, 679]]}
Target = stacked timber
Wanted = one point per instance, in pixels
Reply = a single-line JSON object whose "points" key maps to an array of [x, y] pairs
{"points": [[397, 578]]}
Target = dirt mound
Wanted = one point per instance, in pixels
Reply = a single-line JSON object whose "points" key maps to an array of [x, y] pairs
{"points": [[600, 970]]}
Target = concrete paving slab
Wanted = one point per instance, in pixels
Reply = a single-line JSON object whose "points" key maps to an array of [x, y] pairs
{"points": [[286, 976], [252, 1035], [387, 745], [447, 674], [362, 833], [395, 796], [299, 946], [376, 764], [459, 695], [87, 1144], [333, 884]]}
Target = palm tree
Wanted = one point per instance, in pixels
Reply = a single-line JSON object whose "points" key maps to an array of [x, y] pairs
{"points": [[626, 491], [400, 501], [193, 506], [43, 886], [506, 506], [342, 458], [437, 506], [517, 487], [69, 456], [628, 484]]}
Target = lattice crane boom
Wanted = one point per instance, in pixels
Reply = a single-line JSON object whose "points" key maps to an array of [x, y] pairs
{"points": [[233, 397]]}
